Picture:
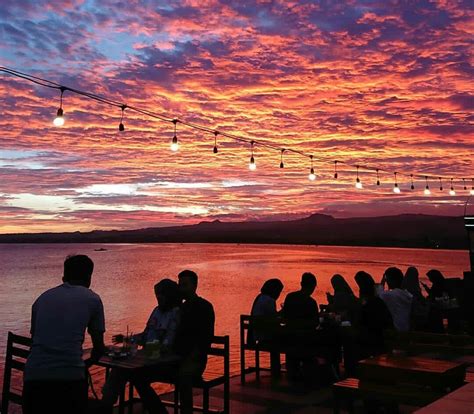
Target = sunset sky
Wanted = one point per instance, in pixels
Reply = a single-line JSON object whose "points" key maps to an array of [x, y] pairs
{"points": [[382, 83]]}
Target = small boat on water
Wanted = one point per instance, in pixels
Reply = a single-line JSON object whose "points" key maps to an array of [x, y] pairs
{"points": [[100, 250]]}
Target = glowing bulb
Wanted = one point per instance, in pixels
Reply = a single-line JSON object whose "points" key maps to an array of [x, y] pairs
{"points": [[59, 120], [452, 192], [427, 191], [252, 165], [174, 144], [472, 191], [396, 189], [312, 175], [358, 184]]}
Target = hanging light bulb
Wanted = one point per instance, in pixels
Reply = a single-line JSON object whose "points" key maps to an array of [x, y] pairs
{"points": [[312, 175], [378, 178], [335, 170], [440, 184], [121, 125], [281, 158], [252, 165], [451, 190], [412, 185], [427, 188], [59, 120], [215, 142], [464, 183], [174, 142], [358, 183], [396, 188], [472, 188]]}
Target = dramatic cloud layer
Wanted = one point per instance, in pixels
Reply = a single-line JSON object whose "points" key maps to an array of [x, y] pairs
{"points": [[380, 83]]}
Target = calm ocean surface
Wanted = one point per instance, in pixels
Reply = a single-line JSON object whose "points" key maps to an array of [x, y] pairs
{"points": [[230, 276]]}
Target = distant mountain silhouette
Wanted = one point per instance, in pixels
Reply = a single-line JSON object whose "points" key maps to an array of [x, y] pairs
{"points": [[405, 230]]}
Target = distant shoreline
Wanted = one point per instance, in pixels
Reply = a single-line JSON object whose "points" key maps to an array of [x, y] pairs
{"points": [[402, 231]]}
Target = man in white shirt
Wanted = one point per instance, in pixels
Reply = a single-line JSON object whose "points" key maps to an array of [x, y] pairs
{"points": [[398, 300], [55, 373]]}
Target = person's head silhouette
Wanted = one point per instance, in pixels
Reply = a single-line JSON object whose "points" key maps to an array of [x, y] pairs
{"points": [[366, 284], [411, 281], [308, 283], [167, 294], [187, 282], [394, 277], [272, 288], [340, 285], [78, 270], [435, 276]]}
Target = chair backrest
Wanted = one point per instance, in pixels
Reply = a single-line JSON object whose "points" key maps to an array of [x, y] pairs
{"points": [[18, 349], [220, 347]]}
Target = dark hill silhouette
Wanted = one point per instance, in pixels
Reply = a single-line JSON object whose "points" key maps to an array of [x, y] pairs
{"points": [[405, 230]]}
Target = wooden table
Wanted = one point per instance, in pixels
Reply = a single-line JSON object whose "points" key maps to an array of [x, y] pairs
{"points": [[132, 363], [437, 374]]}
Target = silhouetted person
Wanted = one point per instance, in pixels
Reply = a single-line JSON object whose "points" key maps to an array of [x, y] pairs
{"points": [[398, 300], [420, 306], [343, 300], [161, 326], [373, 318], [300, 305], [55, 374], [193, 338], [300, 310], [435, 292], [438, 284], [265, 305], [411, 281]]}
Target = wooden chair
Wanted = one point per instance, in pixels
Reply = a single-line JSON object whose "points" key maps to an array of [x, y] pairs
{"points": [[247, 323], [18, 349], [220, 348]]}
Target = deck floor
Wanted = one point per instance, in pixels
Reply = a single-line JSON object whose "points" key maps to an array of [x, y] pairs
{"points": [[265, 398]]}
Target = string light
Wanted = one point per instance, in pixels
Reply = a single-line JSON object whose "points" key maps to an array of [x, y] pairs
{"points": [[396, 188], [59, 120], [312, 175], [451, 190], [281, 158], [427, 188], [252, 165], [464, 183], [440, 184], [215, 142], [121, 125], [358, 183], [174, 142]]}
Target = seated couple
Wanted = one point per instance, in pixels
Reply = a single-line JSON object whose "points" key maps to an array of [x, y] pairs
{"points": [[185, 327]]}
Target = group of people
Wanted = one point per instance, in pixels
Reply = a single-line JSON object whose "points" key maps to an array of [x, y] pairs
{"points": [[55, 377], [396, 303]]}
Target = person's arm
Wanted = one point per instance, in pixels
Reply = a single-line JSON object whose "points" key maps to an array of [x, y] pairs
{"points": [[98, 346], [33, 319], [316, 313], [96, 329]]}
